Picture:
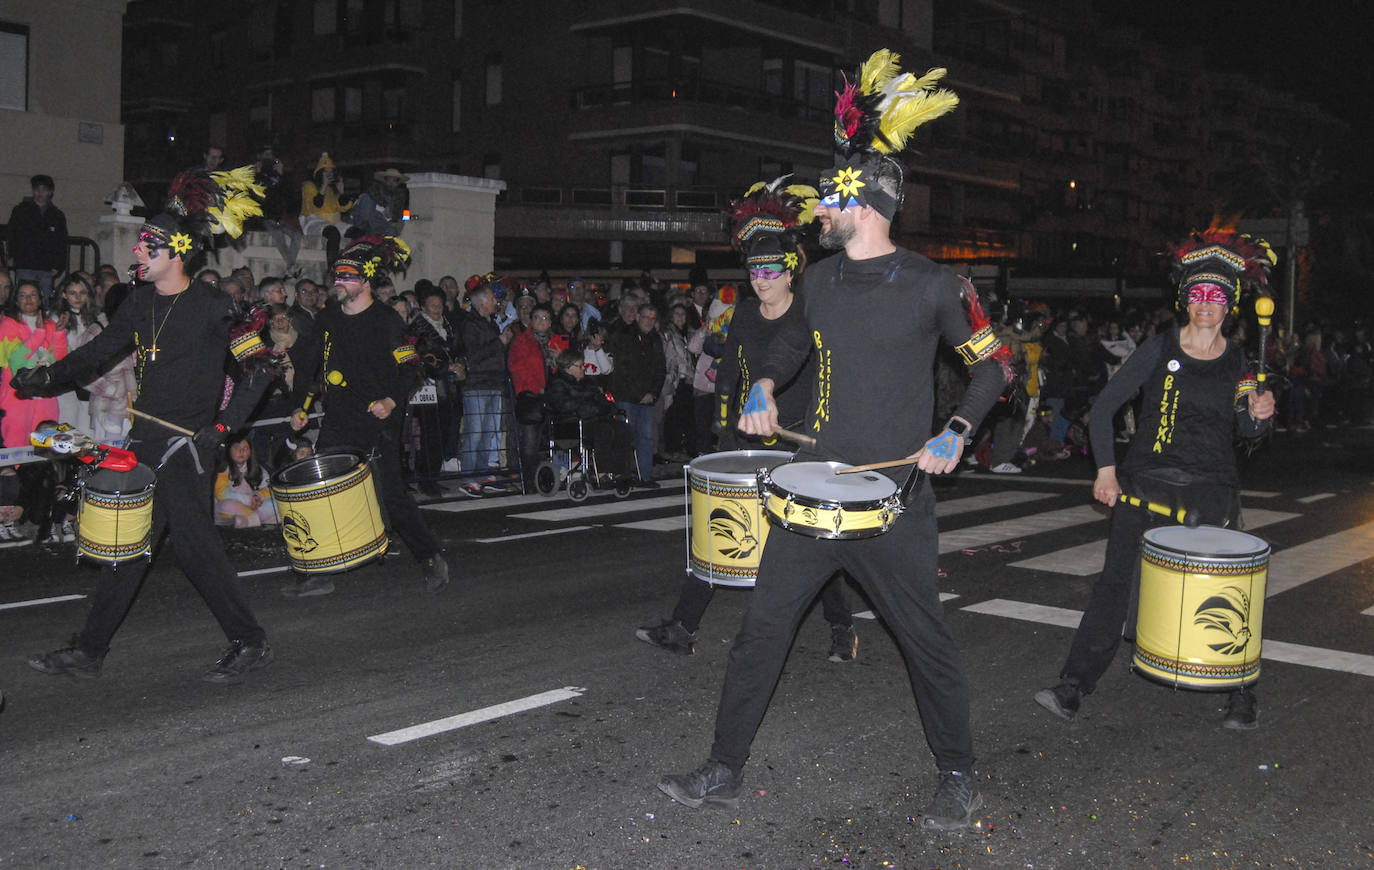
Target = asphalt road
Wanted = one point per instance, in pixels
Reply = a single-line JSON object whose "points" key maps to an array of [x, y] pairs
{"points": [[576, 720]]}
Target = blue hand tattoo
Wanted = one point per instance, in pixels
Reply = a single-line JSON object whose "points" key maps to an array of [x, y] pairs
{"points": [[755, 402], [942, 447]]}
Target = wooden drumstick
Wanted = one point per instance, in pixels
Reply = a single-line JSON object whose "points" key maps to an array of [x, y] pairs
{"points": [[182, 430], [873, 466], [788, 434]]}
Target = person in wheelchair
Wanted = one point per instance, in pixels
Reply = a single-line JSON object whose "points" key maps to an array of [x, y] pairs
{"points": [[568, 398]]}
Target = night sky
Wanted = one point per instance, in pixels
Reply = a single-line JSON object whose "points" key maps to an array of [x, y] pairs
{"points": [[1321, 47]]}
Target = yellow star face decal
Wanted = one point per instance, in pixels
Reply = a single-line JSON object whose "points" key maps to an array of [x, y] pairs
{"points": [[180, 243], [847, 181], [370, 268], [789, 260]]}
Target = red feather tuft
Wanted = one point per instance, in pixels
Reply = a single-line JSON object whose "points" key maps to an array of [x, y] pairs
{"points": [[978, 319]]}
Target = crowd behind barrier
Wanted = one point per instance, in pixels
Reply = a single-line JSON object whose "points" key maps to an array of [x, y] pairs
{"points": [[650, 346]]}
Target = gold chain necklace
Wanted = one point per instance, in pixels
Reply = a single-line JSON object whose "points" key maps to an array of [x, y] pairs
{"points": [[150, 352]]}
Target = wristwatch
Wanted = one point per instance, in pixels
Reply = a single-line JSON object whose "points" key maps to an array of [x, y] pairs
{"points": [[959, 427]]}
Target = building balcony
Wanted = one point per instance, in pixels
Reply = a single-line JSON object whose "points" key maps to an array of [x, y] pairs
{"points": [[808, 24], [669, 214]]}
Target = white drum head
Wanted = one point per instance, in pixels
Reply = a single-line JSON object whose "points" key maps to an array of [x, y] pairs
{"points": [[1205, 541], [819, 481]]}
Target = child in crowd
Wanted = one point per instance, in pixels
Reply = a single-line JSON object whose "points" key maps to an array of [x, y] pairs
{"points": [[597, 363], [243, 498]]}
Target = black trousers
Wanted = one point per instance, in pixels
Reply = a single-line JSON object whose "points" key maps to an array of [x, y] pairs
{"points": [[696, 594], [399, 510], [899, 571], [182, 505], [1099, 631]]}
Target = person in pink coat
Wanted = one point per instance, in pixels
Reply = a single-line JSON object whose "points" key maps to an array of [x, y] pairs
{"points": [[27, 339]]}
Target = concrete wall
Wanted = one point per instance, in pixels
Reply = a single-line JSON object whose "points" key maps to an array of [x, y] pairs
{"points": [[454, 227], [71, 130]]}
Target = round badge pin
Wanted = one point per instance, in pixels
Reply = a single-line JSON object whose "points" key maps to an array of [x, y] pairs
{"points": [[1174, 365]]}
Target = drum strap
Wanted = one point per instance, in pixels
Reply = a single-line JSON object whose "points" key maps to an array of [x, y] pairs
{"points": [[175, 444], [913, 477]]}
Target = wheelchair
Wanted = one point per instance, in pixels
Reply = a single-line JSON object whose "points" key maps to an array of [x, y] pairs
{"points": [[571, 463]]}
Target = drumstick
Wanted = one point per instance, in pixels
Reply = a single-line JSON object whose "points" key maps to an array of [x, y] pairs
{"points": [[873, 466], [803, 440], [1182, 516], [134, 412]]}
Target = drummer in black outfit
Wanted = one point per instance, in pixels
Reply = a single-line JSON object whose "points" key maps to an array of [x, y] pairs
{"points": [[1197, 399], [765, 227], [179, 329], [366, 343], [867, 406]]}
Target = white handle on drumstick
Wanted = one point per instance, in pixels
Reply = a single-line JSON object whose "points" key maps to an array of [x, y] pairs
{"points": [[874, 466], [134, 412]]}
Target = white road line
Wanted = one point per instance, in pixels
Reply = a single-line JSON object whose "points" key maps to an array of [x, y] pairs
{"points": [[1087, 558], [1029, 478], [1315, 657], [662, 524], [486, 714], [1318, 497], [37, 601], [507, 502], [1255, 493], [991, 533], [592, 511], [256, 571], [1294, 566], [1274, 650], [868, 614], [988, 501], [1369, 612], [531, 534]]}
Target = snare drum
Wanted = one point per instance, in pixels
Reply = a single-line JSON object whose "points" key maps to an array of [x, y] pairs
{"points": [[329, 513], [1201, 607], [728, 529], [809, 498], [114, 521]]}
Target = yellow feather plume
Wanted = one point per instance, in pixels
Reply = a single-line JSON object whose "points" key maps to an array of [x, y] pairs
{"points": [[757, 186], [878, 70], [909, 111], [809, 197]]}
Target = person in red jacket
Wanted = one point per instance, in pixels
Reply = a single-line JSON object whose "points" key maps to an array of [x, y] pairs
{"points": [[529, 374]]}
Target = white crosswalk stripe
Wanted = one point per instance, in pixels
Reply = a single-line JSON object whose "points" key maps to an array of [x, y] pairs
{"points": [[1085, 559]]}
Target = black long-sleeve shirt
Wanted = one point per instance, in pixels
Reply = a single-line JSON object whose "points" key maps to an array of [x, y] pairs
{"points": [[875, 325], [182, 342], [746, 347], [1190, 413]]}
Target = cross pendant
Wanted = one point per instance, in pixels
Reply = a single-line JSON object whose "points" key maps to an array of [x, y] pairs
{"points": [[152, 352]]}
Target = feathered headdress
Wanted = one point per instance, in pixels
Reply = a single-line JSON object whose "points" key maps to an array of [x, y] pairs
{"points": [[201, 204], [766, 223], [1232, 261], [875, 115], [362, 260]]}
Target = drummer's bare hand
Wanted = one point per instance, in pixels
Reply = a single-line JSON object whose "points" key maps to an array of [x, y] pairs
{"points": [[382, 408], [1262, 405], [760, 416], [256, 501], [1105, 488], [940, 455], [298, 420]]}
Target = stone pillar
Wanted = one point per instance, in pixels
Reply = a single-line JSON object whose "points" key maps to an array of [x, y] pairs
{"points": [[116, 234], [453, 226]]}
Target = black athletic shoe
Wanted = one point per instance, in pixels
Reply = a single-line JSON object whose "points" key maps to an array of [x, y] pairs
{"points": [[955, 802], [713, 784], [237, 661], [669, 635], [71, 659], [1061, 700], [1242, 711], [844, 643], [431, 489], [436, 573]]}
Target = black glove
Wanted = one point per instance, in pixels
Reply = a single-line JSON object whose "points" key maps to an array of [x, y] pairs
{"points": [[32, 381], [211, 437]]}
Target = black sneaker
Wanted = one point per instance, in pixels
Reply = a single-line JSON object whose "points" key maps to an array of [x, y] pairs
{"points": [[237, 661], [713, 783], [71, 659], [308, 587], [844, 643], [1242, 711], [670, 635], [431, 489], [1062, 700], [955, 802], [436, 572]]}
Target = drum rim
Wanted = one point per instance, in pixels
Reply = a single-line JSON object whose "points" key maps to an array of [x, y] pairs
{"points": [[353, 458], [1169, 549], [86, 482], [694, 469], [771, 487]]}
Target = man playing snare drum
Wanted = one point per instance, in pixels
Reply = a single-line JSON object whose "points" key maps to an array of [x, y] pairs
{"points": [[179, 330], [360, 350], [1196, 399], [868, 405]]}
